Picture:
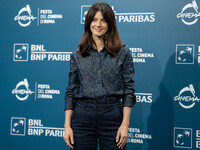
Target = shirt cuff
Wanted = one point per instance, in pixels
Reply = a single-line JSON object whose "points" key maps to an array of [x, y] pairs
{"points": [[128, 101], [70, 104]]}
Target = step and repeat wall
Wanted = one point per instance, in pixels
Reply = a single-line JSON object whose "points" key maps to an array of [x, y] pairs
{"points": [[37, 39]]}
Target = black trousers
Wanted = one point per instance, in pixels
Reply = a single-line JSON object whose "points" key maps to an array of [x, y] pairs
{"points": [[95, 123]]}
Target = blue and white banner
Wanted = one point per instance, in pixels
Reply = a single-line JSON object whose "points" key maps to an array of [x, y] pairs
{"points": [[37, 39]]}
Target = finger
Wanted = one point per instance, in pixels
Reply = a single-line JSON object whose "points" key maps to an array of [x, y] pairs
{"points": [[120, 141], [72, 139], [117, 137], [67, 140], [68, 144], [120, 145], [123, 143]]}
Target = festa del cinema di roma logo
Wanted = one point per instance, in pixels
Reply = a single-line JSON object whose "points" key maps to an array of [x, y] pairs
{"points": [[189, 13], [24, 16], [44, 16], [22, 90], [187, 97], [42, 91]]}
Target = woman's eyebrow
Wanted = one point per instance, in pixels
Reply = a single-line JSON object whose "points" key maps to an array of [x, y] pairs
{"points": [[97, 18]]}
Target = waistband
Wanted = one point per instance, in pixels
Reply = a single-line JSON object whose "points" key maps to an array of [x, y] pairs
{"points": [[100, 100]]}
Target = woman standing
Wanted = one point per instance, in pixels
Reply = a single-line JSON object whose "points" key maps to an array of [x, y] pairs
{"points": [[100, 90]]}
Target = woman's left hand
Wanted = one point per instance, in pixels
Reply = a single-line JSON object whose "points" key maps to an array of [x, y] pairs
{"points": [[122, 135]]}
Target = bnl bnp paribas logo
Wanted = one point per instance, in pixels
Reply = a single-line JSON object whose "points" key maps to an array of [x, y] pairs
{"points": [[123, 17], [185, 53], [185, 137], [44, 16], [22, 91], [187, 97], [38, 52], [189, 13], [33, 127], [182, 137], [18, 126]]}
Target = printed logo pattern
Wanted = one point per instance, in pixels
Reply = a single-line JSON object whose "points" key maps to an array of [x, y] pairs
{"points": [[18, 126], [189, 13], [185, 54], [182, 137], [20, 52]]}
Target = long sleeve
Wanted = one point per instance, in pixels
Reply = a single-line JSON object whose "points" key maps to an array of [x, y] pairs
{"points": [[73, 84], [128, 72]]}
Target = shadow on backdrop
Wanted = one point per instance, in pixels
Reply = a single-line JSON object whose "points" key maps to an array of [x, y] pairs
{"points": [[166, 113], [148, 77]]}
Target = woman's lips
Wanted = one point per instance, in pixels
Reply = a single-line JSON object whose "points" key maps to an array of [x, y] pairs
{"points": [[98, 30]]}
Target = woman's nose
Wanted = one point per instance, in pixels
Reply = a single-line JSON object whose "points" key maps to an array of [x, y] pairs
{"points": [[98, 23]]}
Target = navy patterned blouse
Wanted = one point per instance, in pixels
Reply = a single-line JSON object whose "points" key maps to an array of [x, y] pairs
{"points": [[101, 74]]}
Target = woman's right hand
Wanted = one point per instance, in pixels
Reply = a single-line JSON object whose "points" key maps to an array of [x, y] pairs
{"points": [[69, 135]]}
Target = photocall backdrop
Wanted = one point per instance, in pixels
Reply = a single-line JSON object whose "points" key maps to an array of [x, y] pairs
{"points": [[37, 39]]}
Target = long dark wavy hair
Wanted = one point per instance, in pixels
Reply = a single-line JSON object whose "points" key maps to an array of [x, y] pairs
{"points": [[111, 38]]}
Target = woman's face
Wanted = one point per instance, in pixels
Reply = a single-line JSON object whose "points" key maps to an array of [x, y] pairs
{"points": [[98, 25]]}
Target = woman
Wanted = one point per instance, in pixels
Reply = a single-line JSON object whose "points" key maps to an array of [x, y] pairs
{"points": [[101, 72]]}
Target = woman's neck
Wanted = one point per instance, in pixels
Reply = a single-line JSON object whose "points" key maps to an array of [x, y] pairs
{"points": [[99, 43]]}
